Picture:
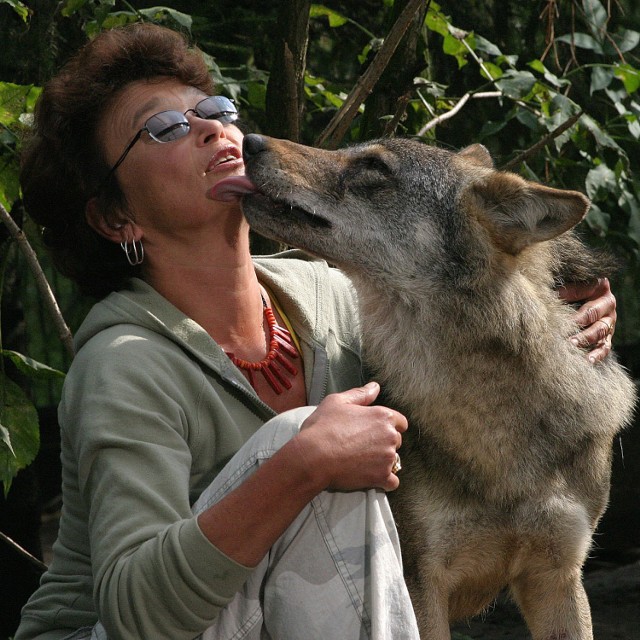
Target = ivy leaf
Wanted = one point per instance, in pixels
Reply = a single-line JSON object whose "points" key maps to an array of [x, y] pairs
{"points": [[601, 78], [18, 7], [602, 138], [20, 419], [436, 21], [597, 220], [528, 119], [516, 84], [551, 78], [629, 203], [30, 367], [494, 70], [601, 177], [582, 40], [597, 15], [335, 19], [633, 125], [160, 15], [71, 6], [630, 77], [6, 438], [482, 44], [625, 39], [453, 45]]}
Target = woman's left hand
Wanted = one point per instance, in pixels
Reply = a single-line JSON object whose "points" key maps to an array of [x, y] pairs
{"points": [[597, 316]]}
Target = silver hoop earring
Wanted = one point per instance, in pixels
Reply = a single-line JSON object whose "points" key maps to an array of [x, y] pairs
{"points": [[134, 253]]}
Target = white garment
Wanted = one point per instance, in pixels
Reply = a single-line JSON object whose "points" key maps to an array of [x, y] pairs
{"points": [[335, 574]]}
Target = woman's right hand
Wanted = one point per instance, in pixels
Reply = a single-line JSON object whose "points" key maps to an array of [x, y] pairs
{"points": [[347, 444]]}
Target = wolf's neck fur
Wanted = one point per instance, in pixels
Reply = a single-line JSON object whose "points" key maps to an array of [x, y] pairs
{"points": [[455, 364]]}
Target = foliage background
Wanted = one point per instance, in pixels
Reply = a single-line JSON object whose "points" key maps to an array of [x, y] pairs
{"points": [[549, 86]]}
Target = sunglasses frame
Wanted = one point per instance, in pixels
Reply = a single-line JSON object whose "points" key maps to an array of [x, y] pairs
{"points": [[225, 116]]}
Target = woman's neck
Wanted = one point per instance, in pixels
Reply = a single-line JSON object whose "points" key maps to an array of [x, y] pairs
{"points": [[217, 287]]}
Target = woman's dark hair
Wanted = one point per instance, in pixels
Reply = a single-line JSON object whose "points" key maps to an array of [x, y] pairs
{"points": [[63, 163]]}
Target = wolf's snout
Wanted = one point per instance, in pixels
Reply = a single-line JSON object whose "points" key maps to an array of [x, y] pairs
{"points": [[253, 144]]}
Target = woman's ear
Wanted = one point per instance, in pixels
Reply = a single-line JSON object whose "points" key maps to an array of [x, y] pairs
{"points": [[114, 231]]}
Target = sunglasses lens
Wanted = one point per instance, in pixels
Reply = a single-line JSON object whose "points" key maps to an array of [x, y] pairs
{"points": [[167, 126], [217, 108]]}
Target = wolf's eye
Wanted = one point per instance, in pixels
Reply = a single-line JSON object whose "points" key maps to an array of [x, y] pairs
{"points": [[373, 163], [368, 173]]}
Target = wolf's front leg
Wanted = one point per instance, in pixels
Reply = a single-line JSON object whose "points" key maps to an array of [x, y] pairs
{"points": [[431, 606], [554, 606]]}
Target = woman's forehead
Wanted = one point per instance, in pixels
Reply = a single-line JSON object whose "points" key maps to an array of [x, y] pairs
{"points": [[140, 100]]}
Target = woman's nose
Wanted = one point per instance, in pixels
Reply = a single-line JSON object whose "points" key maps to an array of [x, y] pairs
{"points": [[207, 130]]}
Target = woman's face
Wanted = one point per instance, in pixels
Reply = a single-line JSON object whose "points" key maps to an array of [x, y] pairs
{"points": [[165, 184]]}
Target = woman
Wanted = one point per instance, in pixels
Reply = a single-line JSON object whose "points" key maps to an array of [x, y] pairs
{"points": [[163, 402]]}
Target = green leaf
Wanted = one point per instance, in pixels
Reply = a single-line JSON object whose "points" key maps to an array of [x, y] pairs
{"points": [[335, 19], [495, 71], [436, 20], [489, 129], [516, 84], [482, 44], [30, 367], [597, 220], [20, 418], [453, 44], [596, 14], [598, 179], [6, 438], [528, 119], [15, 100], [601, 78], [160, 15], [9, 188], [630, 77], [582, 40], [633, 207], [625, 40], [72, 6], [602, 138], [551, 78], [633, 124], [18, 7]]}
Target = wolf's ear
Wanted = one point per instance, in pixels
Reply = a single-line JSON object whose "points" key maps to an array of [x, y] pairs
{"points": [[478, 154], [521, 213]]}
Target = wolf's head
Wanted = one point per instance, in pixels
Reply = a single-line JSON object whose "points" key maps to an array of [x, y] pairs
{"points": [[399, 211]]}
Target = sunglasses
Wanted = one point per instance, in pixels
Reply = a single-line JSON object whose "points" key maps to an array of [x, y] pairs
{"points": [[168, 126]]}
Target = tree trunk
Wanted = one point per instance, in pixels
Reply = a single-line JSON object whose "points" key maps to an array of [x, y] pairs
{"points": [[285, 91]]}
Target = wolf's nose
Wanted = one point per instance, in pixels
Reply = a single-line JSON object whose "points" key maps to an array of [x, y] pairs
{"points": [[252, 145]]}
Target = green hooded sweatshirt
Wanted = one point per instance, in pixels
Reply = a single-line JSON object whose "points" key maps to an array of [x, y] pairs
{"points": [[152, 409]]}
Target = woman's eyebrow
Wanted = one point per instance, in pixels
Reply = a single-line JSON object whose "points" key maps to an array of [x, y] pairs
{"points": [[144, 109]]}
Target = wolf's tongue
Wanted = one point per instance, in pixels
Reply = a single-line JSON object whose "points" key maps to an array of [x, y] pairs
{"points": [[231, 189]]}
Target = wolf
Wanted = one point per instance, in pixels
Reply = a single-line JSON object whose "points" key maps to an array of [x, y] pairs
{"points": [[507, 461]]}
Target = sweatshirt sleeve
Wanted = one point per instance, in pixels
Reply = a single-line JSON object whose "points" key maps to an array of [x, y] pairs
{"points": [[128, 412]]}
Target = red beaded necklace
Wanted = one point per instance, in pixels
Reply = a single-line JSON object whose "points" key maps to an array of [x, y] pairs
{"points": [[274, 365]]}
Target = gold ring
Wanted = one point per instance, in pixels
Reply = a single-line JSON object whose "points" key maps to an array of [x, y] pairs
{"points": [[609, 326], [396, 464]]}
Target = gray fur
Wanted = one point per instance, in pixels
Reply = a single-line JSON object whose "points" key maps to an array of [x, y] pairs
{"points": [[507, 460]]}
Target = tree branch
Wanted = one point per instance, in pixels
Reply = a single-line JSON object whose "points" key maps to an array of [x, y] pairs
{"points": [[41, 566], [452, 112], [41, 280], [558, 131], [336, 129]]}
